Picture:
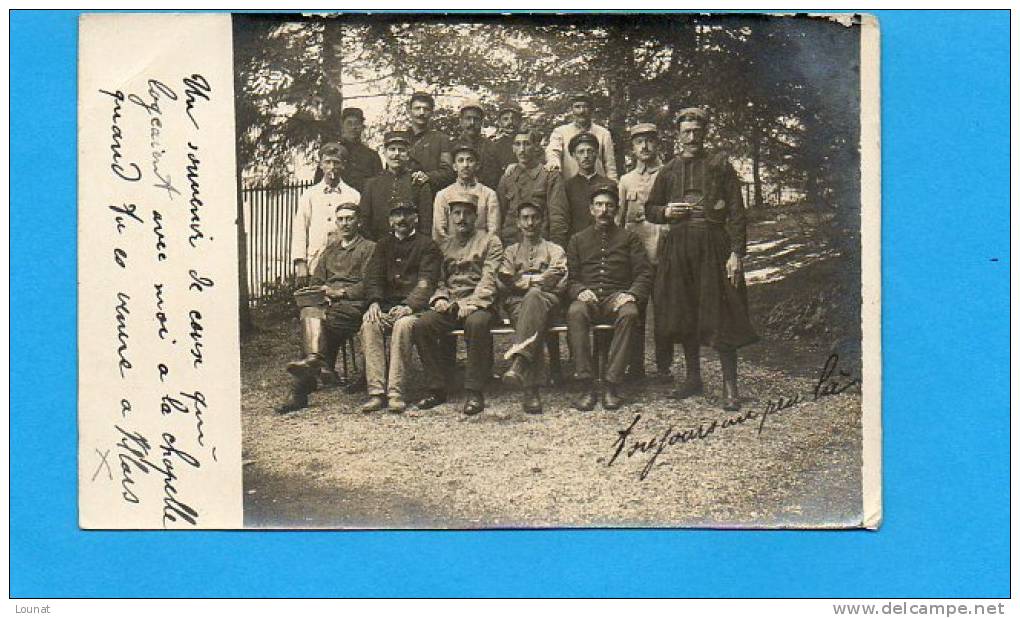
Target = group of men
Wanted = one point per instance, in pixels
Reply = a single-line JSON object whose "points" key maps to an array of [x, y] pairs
{"points": [[458, 233]]}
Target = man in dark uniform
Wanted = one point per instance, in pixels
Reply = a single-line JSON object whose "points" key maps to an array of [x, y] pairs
{"points": [[431, 158], [577, 215], [609, 279], [700, 293], [362, 162], [532, 278], [472, 117], [399, 281], [332, 305], [395, 184], [508, 121]]}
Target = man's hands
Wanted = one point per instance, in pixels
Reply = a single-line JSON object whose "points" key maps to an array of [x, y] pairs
{"points": [[676, 211], [464, 310], [375, 315], [334, 293], [553, 165], [588, 297], [441, 305], [399, 311], [419, 177], [622, 299], [734, 269]]}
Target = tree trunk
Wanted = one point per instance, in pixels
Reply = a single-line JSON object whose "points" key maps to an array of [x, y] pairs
{"points": [[756, 169], [331, 63]]}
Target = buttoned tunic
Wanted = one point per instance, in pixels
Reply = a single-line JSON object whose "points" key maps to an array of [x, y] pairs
{"points": [[607, 261], [427, 149], [576, 215], [315, 218], [470, 269], [634, 189], [380, 192], [532, 184], [362, 163], [403, 271], [559, 141], [343, 267]]}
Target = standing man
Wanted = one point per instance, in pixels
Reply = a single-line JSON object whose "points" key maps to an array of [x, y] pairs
{"points": [[332, 305], [560, 159], [609, 280], [634, 188], [313, 220], [362, 162], [577, 214], [465, 164], [430, 155], [395, 184], [528, 181], [533, 275], [700, 293], [508, 121], [400, 278], [472, 117], [464, 299]]}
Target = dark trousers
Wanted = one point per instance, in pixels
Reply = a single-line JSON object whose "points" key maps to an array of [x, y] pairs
{"points": [[530, 314], [626, 322], [430, 334], [663, 348]]}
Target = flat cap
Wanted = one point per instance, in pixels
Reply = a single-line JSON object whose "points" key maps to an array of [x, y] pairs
{"points": [[605, 188], [402, 204], [471, 104], [352, 111], [332, 150], [423, 96], [396, 136], [463, 197], [463, 147], [510, 106], [583, 137], [537, 205], [581, 97], [695, 114], [346, 206], [643, 128]]}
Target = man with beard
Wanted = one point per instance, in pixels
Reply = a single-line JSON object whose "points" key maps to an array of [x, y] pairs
{"points": [[313, 220], [362, 162], [528, 181], [472, 117], [465, 164], [395, 184], [560, 158], [508, 121], [532, 276], [332, 305], [431, 161], [463, 299], [576, 215], [634, 188], [700, 293], [609, 279], [400, 278]]}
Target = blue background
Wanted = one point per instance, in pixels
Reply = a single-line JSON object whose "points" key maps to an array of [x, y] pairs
{"points": [[945, 134]]}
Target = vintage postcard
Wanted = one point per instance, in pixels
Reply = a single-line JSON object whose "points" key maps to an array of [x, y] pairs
{"points": [[479, 271]]}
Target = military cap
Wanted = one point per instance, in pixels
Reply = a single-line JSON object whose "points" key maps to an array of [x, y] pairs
{"points": [[463, 197], [402, 204], [510, 106], [396, 136], [352, 111], [695, 114], [423, 96], [471, 104], [332, 150], [643, 128], [463, 147], [579, 97], [605, 188], [582, 138], [531, 204], [346, 206]]}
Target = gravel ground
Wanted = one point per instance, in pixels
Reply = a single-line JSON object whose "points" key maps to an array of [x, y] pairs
{"points": [[330, 466]]}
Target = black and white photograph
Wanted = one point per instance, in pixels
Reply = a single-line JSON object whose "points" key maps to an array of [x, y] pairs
{"points": [[536, 270]]}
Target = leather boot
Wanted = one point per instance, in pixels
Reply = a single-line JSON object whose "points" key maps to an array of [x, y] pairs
{"points": [[313, 337], [692, 384], [731, 394], [514, 377], [532, 403], [298, 396], [585, 402], [611, 400]]}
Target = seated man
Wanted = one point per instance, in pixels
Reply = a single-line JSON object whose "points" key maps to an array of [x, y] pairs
{"points": [[464, 298], [400, 278], [533, 275], [332, 305], [610, 277]]}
